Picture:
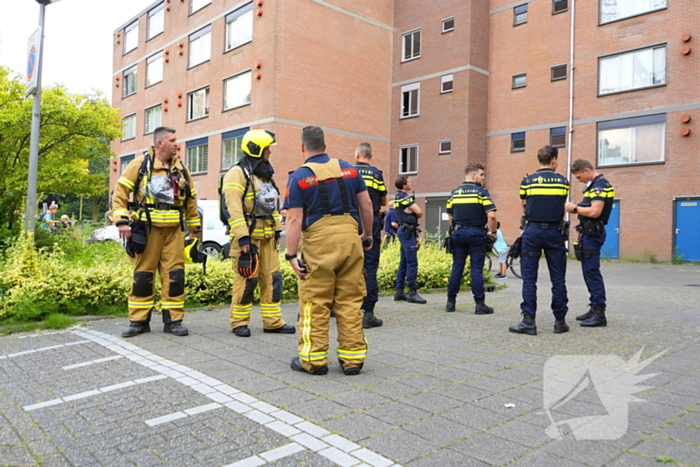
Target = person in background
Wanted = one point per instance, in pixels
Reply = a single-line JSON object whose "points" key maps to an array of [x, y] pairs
{"points": [[502, 248], [390, 227], [109, 220], [48, 220]]}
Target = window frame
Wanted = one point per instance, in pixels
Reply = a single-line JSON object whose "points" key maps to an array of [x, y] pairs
{"points": [[514, 79], [206, 104], [232, 17], [565, 66], [629, 123], [403, 45], [513, 140], [517, 22], [408, 147], [250, 89], [145, 118], [652, 48], [622, 18], [149, 62], [151, 13], [409, 88], [124, 162], [554, 6], [197, 144], [192, 3], [441, 150], [552, 136], [127, 29], [132, 70], [444, 21], [444, 80], [235, 135], [124, 137], [196, 36]]}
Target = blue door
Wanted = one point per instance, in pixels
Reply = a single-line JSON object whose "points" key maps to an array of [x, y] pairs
{"points": [[687, 233], [611, 247]]}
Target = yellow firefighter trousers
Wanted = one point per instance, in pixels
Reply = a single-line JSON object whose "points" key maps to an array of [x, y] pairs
{"points": [[164, 253], [270, 281], [333, 255]]}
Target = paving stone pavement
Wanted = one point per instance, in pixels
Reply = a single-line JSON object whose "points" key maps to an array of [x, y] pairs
{"points": [[447, 389]]}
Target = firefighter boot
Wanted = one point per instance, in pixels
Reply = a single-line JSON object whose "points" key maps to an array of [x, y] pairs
{"points": [[399, 296], [413, 297], [482, 308], [135, 328], [370, 321], [586, 315], [451, 306], [597, 320], [560, 326], [526, 326], [175, 328]]}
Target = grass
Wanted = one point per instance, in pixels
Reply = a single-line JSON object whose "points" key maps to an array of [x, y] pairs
{"points": [[52, 321]]}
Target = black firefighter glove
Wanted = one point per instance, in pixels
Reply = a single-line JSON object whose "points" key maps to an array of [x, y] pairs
{"points": [[137, 243], [248, 263]]}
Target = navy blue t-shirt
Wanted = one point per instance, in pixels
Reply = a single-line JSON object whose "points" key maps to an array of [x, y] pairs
{"points": [[303, 191], [544, 193]]}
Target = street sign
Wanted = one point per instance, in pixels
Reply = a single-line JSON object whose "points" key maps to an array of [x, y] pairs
{"points": [[33, 52]]}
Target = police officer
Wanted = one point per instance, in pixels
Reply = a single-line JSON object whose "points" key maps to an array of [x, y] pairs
{"points": [[469, 210], [164, 201], [544, 194], [407, 215], [326, 201], [377, 193], [593, 214], [250, 197]]}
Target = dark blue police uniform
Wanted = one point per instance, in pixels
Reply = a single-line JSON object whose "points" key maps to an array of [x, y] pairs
{"points": [[592, 237], [389, 230], [375, 186], [545, 193], [408, 236], [468, 205]]}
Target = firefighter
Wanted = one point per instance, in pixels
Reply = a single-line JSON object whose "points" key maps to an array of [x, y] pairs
{"points": [[326, 201], [250, 207], [377, 193], [164, 203]]}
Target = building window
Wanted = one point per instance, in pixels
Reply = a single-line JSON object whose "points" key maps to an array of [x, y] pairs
{"points": [[560, 6], [131, 37], [632, 70], [448, 24], [124, 161], [520, 14], [129, 128], [231, 151], [198, 104], [156, 21], [129, 82], [411, 45], [154, 69], [558, 72], [557, 137], [410, 100], [517, 142], [446, 83], [613, 10], [237, 90], [239, 27], [519, 81], [153, 118], [200, 46], [408, 160], [198, 156], [196, 5], [445, 147], [638, 140]]}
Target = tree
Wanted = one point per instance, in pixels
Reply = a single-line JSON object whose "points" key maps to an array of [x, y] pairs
{"points": [[75, 130]]}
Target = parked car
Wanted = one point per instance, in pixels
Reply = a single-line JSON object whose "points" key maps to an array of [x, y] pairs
{"points": [[214, 238]]}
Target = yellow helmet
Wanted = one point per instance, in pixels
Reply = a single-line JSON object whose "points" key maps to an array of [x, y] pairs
{"points": [[255, 141]]}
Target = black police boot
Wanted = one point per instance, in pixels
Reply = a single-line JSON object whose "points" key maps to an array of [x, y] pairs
{"points": [[526, 326], [560, 326], [370, 321], [286, 329], [586, 315], [135, 328], [399, 296], [451, 306], [597, 320], [413, 297], [175, 328], [295, 364], [241, 331], [482, 308]]}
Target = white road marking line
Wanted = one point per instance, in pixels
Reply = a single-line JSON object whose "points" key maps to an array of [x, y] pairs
{"points": [[92, 362], [42, 349]]}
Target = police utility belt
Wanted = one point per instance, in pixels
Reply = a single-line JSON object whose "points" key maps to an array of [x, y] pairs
{"points": [[468, 226], [562, 226], [591, 227], [410, 229]]}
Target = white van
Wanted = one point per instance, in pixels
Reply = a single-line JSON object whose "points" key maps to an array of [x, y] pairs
{"points": [[214, 238]]}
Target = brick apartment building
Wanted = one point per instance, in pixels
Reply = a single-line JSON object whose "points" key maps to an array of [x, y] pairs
{"points": [[432, 85]]}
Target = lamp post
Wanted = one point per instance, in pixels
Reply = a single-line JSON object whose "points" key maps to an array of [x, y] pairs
{"points": [[30, 211]]}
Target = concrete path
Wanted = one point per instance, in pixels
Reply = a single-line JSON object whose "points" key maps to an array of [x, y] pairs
{"points": [[437, 389]]}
